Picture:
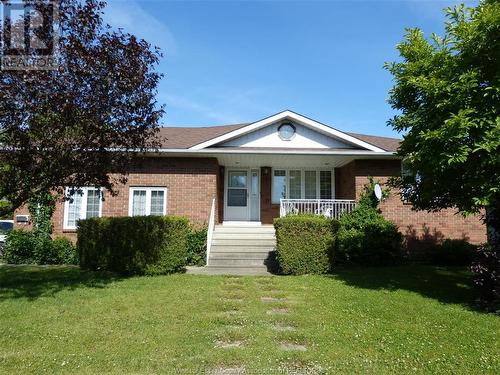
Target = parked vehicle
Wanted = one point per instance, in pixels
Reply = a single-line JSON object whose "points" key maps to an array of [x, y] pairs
{"points": [[5, 227]]}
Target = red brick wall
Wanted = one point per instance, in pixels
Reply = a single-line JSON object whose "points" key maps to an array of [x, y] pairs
{"points": [[191, 184], [345, 183], [417, 226]]}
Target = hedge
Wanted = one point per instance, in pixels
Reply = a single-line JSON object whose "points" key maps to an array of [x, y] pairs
{"points": [[141, 245], [305, 244], [25, 247], [197, 245]]}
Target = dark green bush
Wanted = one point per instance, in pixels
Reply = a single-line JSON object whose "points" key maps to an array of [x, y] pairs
{"points": [[366, 237], [141, 245], [19, 247], [197, 246], [305, 244], [66, 250], [25, 247], [452, 253], [486, 276]]}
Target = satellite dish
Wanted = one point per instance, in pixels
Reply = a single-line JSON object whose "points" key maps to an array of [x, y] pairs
{"points": [[377, 190]]}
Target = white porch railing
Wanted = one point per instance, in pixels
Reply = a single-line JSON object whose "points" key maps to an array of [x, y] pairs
{"points": [[210, 231], [332, 208]]}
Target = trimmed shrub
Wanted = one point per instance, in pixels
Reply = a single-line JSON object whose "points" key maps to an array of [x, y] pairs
{"points": [[25, 247], [66, 250], [19, 247], [140, 245], [452, 253], [366, 237], [197, 246], [305, 244]]}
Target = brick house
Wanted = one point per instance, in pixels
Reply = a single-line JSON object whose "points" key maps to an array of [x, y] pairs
{"points": [[255, 172]]}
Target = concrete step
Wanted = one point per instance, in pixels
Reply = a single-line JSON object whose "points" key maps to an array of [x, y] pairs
{"points": [[237, 271], [243, 236], [239, 255], [245, 263], [256, 242], [255, 230]]}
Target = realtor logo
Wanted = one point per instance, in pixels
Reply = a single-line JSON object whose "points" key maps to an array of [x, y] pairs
{"points": [[29, 35]]}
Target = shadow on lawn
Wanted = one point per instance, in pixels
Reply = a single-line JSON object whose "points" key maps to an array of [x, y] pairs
{"points": [[33, 282], [445, 284]]}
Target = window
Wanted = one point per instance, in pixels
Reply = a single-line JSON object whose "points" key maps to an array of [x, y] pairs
{"points": [[279, 186], [302, 184], [82, 203], [237, 189], [325, 184], [310, 184], [145, 201], [295, 185]]}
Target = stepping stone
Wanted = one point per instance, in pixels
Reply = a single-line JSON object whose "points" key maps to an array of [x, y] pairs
{"points": [[233, 327], [273, 299], [283, 328], [228, 344], [290, 346], [280, 311], [227, 371]]}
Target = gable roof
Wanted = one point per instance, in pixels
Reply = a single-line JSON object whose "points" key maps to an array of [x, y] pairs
{"points": [[198, 138], [289, 115]]}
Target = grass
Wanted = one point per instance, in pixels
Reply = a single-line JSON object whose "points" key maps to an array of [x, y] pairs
{"points": [[388, 320]]}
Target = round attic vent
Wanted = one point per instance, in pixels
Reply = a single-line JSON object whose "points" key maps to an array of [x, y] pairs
{"points": [[286, 131]]}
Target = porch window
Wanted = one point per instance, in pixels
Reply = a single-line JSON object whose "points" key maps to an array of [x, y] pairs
{"points": [[145, 201], [82, 203], [310, 184], [325, 184], [279, 186], [302, 184], [295, 184]]}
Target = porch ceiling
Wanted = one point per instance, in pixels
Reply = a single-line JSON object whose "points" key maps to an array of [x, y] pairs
{"points": [[283, 160]]}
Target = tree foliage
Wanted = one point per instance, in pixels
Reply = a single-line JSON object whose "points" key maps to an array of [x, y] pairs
{"points": [[447, 90], [65, 126]]}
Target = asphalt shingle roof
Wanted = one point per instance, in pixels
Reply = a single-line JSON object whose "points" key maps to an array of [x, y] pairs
{"points": [[185, 137]]}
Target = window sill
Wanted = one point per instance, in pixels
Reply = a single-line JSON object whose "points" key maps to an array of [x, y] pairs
{"points": [[69, 230]]}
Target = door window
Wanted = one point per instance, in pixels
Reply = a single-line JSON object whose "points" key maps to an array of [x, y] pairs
{"points": [[237, 189]]}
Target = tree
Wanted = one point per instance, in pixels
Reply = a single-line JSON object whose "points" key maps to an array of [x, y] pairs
{"points": [[75, 125], [447, 90]]}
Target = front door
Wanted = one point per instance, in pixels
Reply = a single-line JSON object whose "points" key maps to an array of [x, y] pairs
{"points": [[236, 195], [242, 195]]}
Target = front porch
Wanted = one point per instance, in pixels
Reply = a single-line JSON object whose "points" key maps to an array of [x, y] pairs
{"points": [[261, 194]]}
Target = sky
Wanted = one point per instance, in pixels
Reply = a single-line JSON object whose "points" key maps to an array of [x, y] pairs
{"points": [[241, 61]]}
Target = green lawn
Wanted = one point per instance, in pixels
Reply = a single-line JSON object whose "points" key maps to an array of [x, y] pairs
{"points": [[387, 320]]}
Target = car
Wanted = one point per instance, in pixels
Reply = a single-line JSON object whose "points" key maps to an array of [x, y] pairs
{"points": [[5, 227]]}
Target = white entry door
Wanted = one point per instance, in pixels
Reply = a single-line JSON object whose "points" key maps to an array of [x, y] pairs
{"points": [[237, 195], [242, 196]]}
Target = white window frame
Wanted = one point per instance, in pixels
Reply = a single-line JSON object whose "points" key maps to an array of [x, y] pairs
{"points": [[302, 181], [148, 190], [83, 207]]}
